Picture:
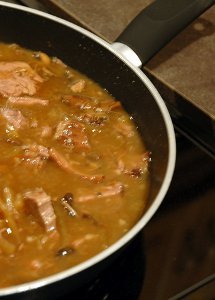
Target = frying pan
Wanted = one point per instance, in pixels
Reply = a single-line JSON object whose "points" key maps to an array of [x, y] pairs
{"points": [[101, 61]]}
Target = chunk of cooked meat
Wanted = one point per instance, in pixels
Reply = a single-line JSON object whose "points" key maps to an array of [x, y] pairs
{"points": [[27, 101], [39, 203], [80, 101], [72, 133], [69, 167], [94, 118], [137, 167], [61, 161], [17, 78], [35, 155], [14, 117], [78, 86], [109, 105], [104, 192]]}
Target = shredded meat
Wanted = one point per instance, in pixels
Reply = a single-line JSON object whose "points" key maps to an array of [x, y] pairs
{"points": [[27, 101], [110, 105], [14, 117], [94, 118], [60, 160], [72, 133], [17, 78], [63, 163], [104, 192], [39, 202], [35, 155], [135, 168], [78, 86]]}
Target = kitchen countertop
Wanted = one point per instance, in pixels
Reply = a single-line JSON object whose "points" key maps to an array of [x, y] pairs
{"points": [[183, 71]]}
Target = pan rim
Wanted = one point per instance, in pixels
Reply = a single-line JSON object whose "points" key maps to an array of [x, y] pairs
{"points": [[158, 199]]}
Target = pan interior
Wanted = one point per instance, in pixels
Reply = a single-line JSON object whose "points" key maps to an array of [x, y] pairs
{"points": [[89, 57]]}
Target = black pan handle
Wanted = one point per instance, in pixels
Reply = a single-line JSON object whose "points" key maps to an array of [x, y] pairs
{"points": [[158, 23]]}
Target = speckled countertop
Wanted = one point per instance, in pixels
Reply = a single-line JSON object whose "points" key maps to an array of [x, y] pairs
{"points": [[183, 71]]}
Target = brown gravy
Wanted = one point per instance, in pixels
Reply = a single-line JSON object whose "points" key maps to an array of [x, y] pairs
{"points": [[74, 171]]}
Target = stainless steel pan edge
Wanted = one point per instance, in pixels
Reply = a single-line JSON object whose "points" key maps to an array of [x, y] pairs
{"points": [[165, 184]]}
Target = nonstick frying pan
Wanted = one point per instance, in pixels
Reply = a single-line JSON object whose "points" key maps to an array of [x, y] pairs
{"points": [[101, 61]]}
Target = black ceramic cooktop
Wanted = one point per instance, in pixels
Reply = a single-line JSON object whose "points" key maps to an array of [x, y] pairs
{"points": [[174, 256]]}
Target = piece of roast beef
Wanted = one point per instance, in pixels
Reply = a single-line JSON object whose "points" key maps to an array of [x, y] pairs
{"points": [[70, 167], [18, 78], [14, 117], [104, 191], [27, 101], [40, 204], [72, 133], [35, 155]]}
